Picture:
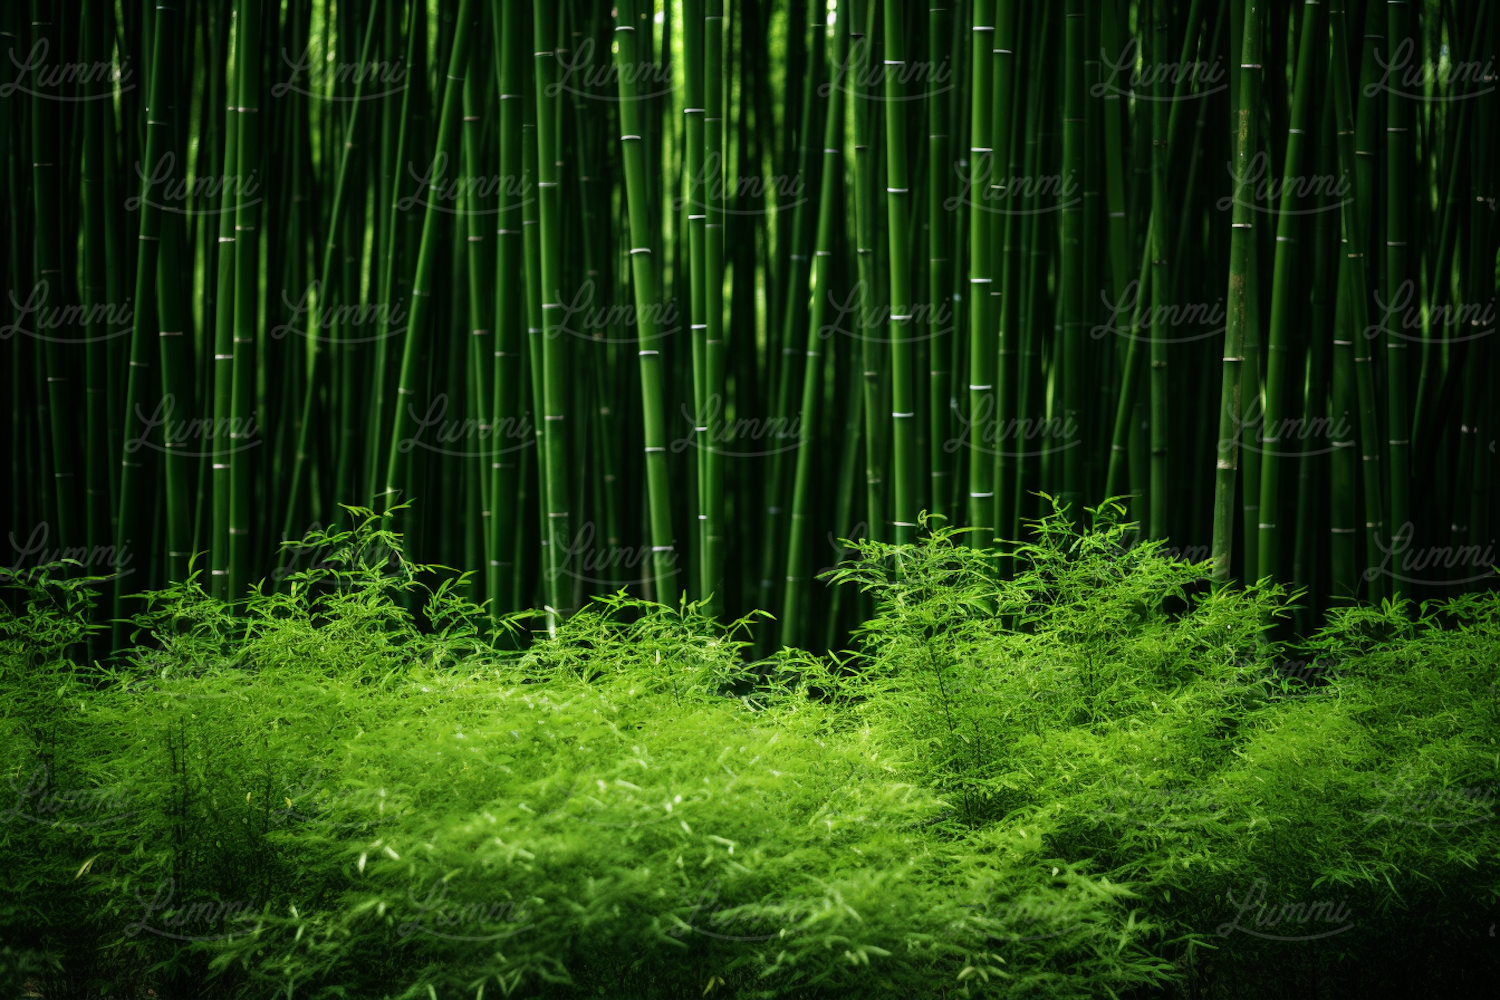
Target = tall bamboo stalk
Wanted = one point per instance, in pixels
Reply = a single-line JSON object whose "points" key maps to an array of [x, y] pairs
{"points": [[983, 348], [647, 307], [132, 526], [1284, 288], [398, 486], [812, 378], [898, 223], [1241, 268]]}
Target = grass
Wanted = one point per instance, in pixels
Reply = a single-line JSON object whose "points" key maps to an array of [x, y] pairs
{"points": [[1095, 777]]}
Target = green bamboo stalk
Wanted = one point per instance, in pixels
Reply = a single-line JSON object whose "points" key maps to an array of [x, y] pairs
{"points": [[787, 357], [1397, 155], [59, 354], [1009, 264], [693, 204], [714, 341], [832, 174], [939, 267], [532, 348], [97, 333], [898, 228], [1241, 268], [862, 15], [1357, 302], [246, 297], [1125, 403], [176, 352], [223, 367], [552, 426], [1072, 290], [644, 272], [398, 485], [1161, 281], [402, 124], [1284, 288], [323, 293], [480, 268], [983, 347], [505, 23], [132, 526]]}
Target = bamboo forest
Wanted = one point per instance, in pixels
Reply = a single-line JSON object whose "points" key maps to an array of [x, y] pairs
{"points": [[749, 498]]}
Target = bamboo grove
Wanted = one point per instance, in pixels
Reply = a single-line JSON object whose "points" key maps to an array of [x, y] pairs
{"points": [[676, 296]]}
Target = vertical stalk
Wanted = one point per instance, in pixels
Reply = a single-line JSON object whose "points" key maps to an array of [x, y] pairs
{"points": [[1397, 154], [1072, 291], [133, 526], [246, 297], [1284, 286], [898, 216], [1161, 279], [644, 272], [983, 349], [714, 339], [397, 480], [812, 380], [1241, 267]]}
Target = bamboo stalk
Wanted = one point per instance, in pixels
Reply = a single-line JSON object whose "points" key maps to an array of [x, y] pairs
{"points": [[1284, 287], [644, 273], [1241, 269], [398, 483], [983, 347], [832, 174], [898, 221]]}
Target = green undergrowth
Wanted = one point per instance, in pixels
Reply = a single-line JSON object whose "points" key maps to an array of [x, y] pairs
{"points": [[1071, 769]]}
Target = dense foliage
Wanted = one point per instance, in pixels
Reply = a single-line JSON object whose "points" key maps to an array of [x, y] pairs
{"points": [[1096, 777]]}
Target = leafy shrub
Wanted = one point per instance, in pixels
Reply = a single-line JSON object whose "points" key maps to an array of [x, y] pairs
{"points": [[1093, 775]]}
